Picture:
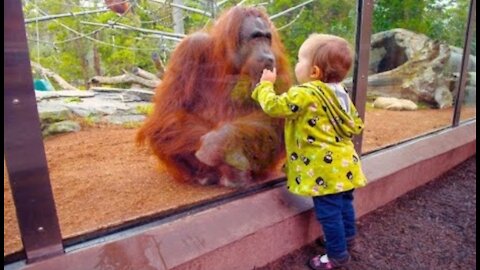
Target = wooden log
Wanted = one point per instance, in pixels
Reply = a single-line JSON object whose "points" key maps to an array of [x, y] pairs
{"points": [[144, 74], [125, 78], [44, 71]]}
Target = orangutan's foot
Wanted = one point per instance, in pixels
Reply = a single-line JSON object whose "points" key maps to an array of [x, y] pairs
{"points": [[208, 179], [235, 178]]}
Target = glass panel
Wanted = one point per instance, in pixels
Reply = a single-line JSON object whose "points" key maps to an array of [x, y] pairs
{"points": [[412, 69], [100, 179], [469, 108]]}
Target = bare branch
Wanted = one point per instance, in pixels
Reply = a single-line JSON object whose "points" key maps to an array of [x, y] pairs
{"points": [[293, 21], [240, 3], [96, 31], [52, 17], [86, 36], [160, 37], [221, 3], [273, 17], [117, 25], [199, 11]]}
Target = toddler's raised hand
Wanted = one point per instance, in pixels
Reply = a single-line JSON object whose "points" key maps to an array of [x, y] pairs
{"points": [[269, 75]]}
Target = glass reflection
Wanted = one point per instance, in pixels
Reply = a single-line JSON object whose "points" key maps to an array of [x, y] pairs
{"points": [[412, 69]]}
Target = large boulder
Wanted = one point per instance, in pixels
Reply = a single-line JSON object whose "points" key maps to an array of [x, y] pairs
{"points": [[470, 97], [407, 65], [455, 61]]}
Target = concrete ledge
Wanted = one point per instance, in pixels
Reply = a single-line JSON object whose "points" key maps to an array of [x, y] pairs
{"points": [[254, 230]]}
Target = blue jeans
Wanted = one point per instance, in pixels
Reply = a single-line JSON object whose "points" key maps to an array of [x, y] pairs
{"points": [[337, 216]]}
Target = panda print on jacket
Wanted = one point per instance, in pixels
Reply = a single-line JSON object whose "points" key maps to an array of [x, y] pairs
{"points": [[321, 157]]}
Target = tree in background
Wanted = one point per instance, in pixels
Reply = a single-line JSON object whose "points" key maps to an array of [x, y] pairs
{"points": [[443, 20], [79, 47], [67, 45], [337, 17]]}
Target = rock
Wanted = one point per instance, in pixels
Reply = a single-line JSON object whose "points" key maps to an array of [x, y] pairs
{"points": [[470, 87], [51, 113], [144, 95], [39, 95], [116, 106], [443, 97], [61, 127], [122, 119], [455, 61], [470, 97], [138, 107], [472, 78], [412, 66], [91, 106], [390, 103], [123, 97]]}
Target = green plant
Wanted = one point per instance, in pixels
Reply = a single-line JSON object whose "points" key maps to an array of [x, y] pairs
{"points": [[73, 100], [90, 120], [131, 124], [145, 109]]}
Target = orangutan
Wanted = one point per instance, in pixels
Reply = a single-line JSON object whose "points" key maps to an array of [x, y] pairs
{"points": [[205, 127]]}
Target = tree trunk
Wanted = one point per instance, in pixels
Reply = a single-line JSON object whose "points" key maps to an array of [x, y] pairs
{"points": [[96, 58], [82, 53], [158, 65], [177, 14]]}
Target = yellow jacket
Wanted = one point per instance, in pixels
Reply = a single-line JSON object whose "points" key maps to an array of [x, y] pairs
{"points": [[321, 158]]}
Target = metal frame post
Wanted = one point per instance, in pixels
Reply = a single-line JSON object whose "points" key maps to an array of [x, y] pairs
{"points": [[23, 145], [362, 57], [464, 68]]}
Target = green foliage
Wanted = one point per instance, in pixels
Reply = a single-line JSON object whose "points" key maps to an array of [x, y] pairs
{"points": [[330, 16], [67, 45], [442, 20], [90, 120], [145, 109]]}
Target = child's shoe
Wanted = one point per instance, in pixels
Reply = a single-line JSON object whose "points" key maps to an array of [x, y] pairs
{"points": [[323, 262], [351, 244]]}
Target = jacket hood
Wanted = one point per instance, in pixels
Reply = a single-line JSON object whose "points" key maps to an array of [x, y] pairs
{"points": [[345, 124]]}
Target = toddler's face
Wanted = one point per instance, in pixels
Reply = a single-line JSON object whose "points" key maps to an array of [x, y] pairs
{"points": [[303, 69]]}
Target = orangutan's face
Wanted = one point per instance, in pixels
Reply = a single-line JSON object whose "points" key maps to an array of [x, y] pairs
{"points": [[255, 52]]}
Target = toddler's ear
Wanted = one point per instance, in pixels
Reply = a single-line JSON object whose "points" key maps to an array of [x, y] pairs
{"points": [[316, 73]]}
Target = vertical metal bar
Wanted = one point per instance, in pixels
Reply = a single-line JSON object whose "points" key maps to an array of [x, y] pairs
{"points": [[23, 146], [464, 68], [362, 57]]}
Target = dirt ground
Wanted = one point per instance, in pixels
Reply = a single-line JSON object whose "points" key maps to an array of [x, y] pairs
{"points": [[432, 227], [100, 179]]}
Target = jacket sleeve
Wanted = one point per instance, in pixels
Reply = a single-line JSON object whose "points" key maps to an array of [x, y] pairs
{"points": [[287, 105]]}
